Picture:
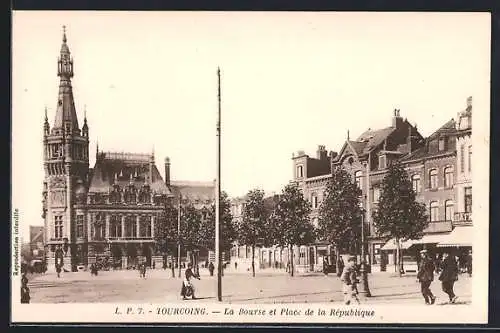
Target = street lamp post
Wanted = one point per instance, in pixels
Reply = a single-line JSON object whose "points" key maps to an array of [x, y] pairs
{"points": [[364, 289]]}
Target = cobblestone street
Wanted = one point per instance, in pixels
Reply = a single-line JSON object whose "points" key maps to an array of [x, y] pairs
{"points": [[272, 287]]}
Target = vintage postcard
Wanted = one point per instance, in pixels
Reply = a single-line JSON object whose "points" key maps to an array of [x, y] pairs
{"points": [[250, 167]]}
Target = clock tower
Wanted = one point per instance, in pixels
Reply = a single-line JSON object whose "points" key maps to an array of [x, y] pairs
{"points": [[66, 166]]}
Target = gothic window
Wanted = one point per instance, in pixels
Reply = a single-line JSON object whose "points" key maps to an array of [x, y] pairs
{"points": [[130, 195], [468, 199], [358, 177], [145, 226], [58, 227], [130, 226], [145, 194], [115, 195], [98, 226], [448, 177], [115, 226], [434, 211], [449, 210], [79, 226], [433, 179]]}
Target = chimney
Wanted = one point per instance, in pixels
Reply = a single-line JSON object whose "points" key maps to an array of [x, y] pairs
{"points": [[167, 171], [409, 140], [397, 121], [321, 153]]}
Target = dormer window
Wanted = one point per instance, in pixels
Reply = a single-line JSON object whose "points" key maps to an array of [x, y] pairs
{"points": [[442, 145]]}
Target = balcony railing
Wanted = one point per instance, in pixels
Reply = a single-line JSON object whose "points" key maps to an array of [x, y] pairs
{"points": [[462, 218], [439, 226], [122, 239]]}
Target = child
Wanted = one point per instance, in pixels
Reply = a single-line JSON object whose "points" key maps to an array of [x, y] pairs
{"points": [[349, 281]]}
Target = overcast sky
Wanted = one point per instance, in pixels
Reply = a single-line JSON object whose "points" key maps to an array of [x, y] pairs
{"points": [[290, 81]]}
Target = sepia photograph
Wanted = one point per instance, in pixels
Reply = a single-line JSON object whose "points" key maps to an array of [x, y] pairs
{"points": [[247, 167]]}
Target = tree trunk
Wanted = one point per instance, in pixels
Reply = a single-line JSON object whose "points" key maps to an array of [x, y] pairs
{"points": [[281, 257], [291, 260], [253, 260], [398, 256], [337, 260]]}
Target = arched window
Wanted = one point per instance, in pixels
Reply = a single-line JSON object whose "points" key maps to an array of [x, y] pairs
{"points": [[115, 195], [449, 210], [433, 179], [358, 178], [314, 200], [300, 171], [448, 177], [434, 211], [415, 181]]}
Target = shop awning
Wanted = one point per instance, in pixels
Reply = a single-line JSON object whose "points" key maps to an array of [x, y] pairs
{"points": [[426, 239], [391, 245], [460, 236], [431, 239]]}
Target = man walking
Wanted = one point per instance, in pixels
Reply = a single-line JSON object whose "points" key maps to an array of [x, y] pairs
{"points": [[448, 276], [425, 276], [349, 281]]}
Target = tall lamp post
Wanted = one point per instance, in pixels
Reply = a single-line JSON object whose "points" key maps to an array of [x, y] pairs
{"points": [[364, 289]]}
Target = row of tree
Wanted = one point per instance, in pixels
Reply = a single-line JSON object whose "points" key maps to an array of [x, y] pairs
{"points": [[285, 221]]}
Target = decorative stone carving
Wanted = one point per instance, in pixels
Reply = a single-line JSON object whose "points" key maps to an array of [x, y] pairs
{"points": [[57, 198], [57, 182]]}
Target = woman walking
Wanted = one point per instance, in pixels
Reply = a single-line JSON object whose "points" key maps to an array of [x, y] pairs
{"points": [[448, 276]]}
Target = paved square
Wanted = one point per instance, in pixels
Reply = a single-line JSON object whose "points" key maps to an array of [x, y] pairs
{"points": [[266, 287]]}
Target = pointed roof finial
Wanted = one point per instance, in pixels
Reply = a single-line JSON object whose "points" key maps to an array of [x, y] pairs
{"points": [[46, 118], [85, 112], [347, 134], [64, 34]]}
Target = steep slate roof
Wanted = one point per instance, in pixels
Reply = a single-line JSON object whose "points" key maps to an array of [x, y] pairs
{"points": [[448, 127], [115, 170], [367, 141], [193, 191]]}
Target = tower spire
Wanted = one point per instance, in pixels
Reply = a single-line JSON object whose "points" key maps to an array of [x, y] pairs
{"points": [[65, 111]]}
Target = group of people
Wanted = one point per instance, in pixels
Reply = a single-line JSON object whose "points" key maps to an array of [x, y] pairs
{"points": [[448, 275], [447, 268]]}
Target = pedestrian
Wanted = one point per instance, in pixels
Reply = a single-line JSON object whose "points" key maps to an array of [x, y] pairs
{"points": [[25, 290], [469, 263], [142, 270], [154, 264], [425, 276], [448, 276], [349, 281], [188, 274], [325, 266], [235, 265], [211, 268], [340, 265]]}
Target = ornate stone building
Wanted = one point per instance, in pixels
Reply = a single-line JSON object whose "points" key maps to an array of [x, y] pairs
{"points": [[106, 213]]}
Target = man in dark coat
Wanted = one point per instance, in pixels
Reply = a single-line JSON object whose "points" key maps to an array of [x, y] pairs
{"points": [[425, 276], [469, 263], [211, 268], [25, 290], [340, 266], [448, 276]]}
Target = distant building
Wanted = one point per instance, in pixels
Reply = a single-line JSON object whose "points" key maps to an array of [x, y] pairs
{"points": [[37, 241]]}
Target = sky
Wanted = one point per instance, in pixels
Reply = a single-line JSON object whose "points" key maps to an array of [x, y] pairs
{"points": [[290, 81]]}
